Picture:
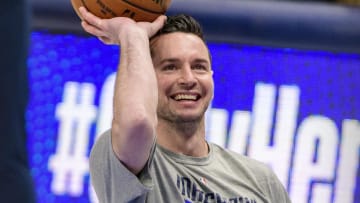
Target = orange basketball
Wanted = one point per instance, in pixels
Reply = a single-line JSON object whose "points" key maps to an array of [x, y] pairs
{"points": [[139, 10]]}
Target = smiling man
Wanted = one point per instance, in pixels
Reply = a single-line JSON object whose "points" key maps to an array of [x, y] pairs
{"points": [[156, 149]]}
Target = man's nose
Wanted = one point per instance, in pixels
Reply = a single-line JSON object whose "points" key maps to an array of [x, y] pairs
{"points": [[187, 77]]}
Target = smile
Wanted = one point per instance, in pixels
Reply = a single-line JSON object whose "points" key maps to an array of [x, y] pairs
{"points": [[180, 97]]}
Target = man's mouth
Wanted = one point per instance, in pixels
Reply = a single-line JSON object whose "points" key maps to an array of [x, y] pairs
{"points": [[187, 97]]}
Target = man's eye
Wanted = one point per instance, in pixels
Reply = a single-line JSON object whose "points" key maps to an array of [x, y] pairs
{"points": [[199, 67], [169, 67]]}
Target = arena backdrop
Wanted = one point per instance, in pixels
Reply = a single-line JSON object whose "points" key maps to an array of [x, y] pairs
{"points": [[294, 108]]}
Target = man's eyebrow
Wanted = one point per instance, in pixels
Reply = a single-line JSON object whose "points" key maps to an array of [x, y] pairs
{"points": [[172, 60], [200, 60], [169, 60]]}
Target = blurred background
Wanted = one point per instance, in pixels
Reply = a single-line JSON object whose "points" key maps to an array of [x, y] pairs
{"points": [[287, 93]]}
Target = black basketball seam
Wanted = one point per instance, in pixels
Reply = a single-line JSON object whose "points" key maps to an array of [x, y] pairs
{"points": [[84, 4], [141, 8]]}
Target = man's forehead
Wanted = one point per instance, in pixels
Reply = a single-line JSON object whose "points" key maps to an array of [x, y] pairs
{"points": [[177, 42]]}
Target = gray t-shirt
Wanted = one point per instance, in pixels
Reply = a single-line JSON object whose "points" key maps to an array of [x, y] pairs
{"points": [[222, 176]]}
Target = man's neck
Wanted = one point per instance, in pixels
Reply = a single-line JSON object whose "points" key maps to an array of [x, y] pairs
{"points": [[186, 138]]}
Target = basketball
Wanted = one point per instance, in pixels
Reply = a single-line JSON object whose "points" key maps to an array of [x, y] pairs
{"points": [[138, 10]]}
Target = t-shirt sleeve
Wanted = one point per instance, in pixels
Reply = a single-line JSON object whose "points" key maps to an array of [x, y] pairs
{"points": [[111, 180], [269, 183], [275, 189]]}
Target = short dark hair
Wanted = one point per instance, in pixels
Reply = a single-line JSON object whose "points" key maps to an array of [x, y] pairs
{"points": [[181, 23]]}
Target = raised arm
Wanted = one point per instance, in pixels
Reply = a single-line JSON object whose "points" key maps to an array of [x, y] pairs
{"points": [[136, 94]]}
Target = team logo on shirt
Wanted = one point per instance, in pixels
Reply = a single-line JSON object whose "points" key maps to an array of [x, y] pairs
{"points": [[203, 180], [192, 193]]}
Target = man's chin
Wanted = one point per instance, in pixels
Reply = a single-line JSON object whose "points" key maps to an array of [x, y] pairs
{"points": [[182, 115], [189, 117]]}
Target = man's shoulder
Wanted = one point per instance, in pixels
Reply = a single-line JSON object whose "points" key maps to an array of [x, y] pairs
{"points": [[241, 161]]}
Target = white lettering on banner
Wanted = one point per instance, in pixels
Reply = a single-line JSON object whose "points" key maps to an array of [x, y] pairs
{"points": [[106, 105], [348, 162], [315, 157], [277, 154], [217, 131], [239, 131], [308, 160], [320, 193], [76, 116]]}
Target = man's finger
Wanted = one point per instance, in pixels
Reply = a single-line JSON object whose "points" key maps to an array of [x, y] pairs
{"points": [[91, 29], [90, 18], [158, 24]]}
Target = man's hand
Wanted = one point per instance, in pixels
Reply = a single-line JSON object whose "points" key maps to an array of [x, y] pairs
{"points": [[110, 31]]}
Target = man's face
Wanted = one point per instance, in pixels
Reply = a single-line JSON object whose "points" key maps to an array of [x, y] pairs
{"points": [[184, 74]]}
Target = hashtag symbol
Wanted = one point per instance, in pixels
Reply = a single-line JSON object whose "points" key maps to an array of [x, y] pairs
{"points": [[75, 113]]}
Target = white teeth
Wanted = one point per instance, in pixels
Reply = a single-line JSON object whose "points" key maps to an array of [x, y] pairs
{"points": [[185, 97]]}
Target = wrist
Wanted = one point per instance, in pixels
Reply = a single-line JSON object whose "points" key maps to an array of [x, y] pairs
{"points": [[132, 34]]}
